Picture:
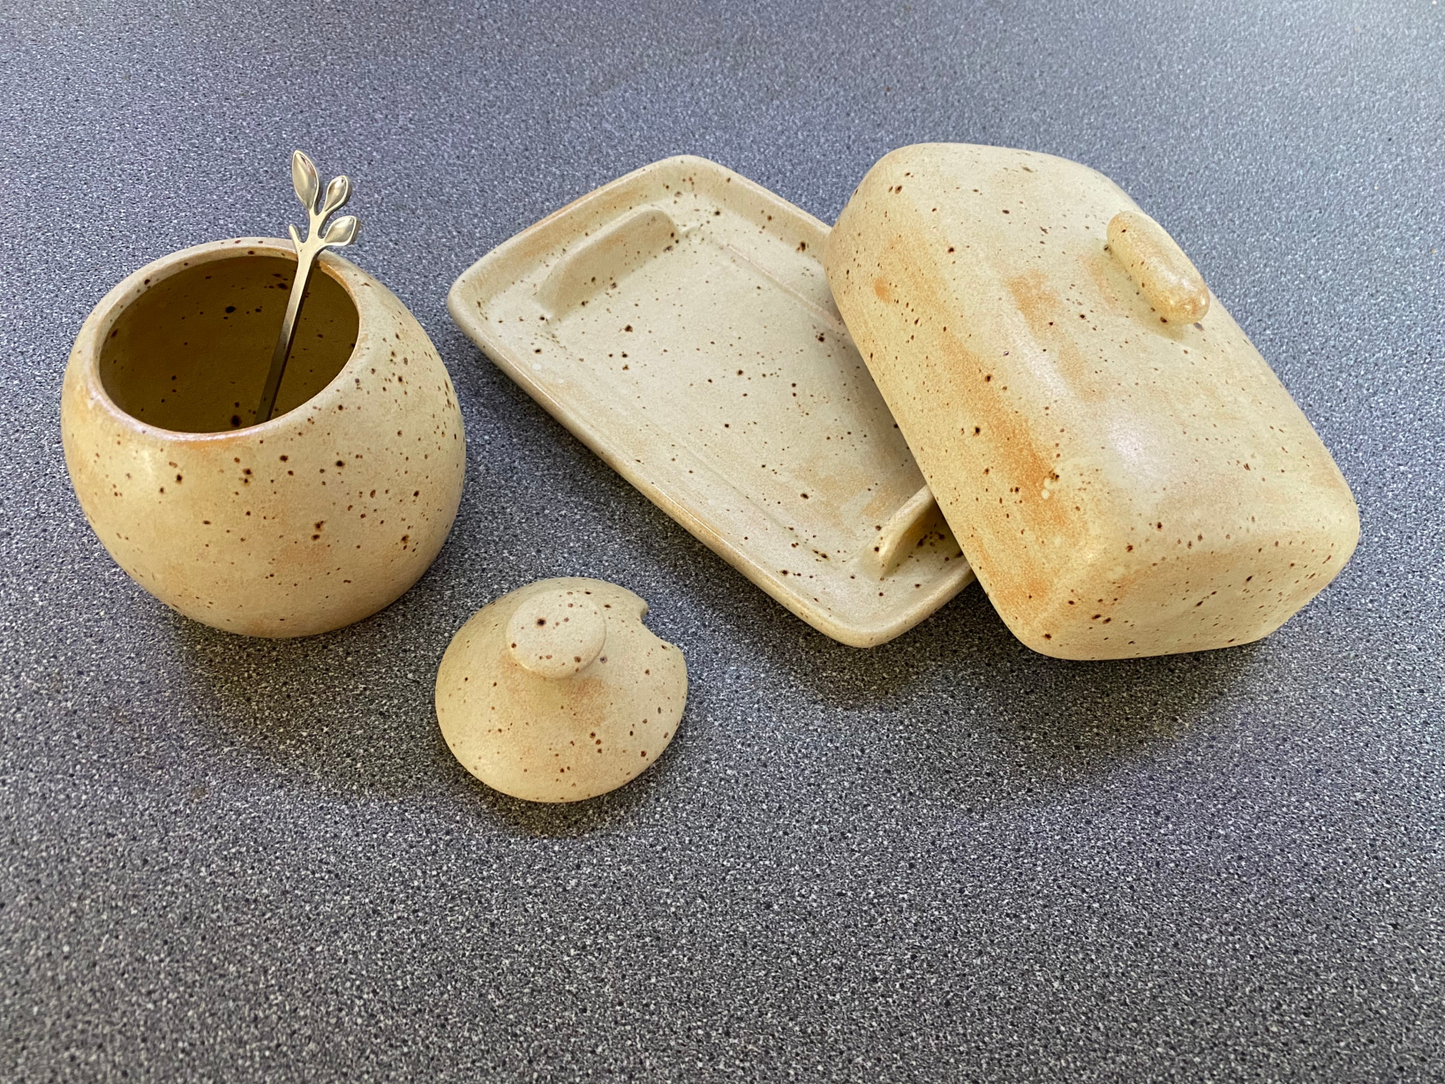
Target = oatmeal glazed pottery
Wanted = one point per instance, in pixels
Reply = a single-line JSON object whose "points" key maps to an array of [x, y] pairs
{"points": [[303, 524], [558, 692], [679, 322], [995, 362], [1125, 473]]}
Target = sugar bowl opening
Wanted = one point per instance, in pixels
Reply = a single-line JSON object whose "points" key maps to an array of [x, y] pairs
{"points": [[190, 354]]}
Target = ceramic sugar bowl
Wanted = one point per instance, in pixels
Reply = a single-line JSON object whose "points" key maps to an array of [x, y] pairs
{"points": [[305, 523]]}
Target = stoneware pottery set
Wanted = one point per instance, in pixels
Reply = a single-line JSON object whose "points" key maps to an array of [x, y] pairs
{"points": [[994, 365]]}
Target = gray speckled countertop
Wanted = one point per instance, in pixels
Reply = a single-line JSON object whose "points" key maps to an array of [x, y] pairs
{"points": [[946, 858]]}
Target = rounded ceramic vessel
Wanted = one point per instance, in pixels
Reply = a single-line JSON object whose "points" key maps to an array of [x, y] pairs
{"points": [[305, 523]]}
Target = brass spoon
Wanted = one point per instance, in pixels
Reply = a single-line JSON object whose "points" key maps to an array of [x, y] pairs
{"points": [[341, 233]]}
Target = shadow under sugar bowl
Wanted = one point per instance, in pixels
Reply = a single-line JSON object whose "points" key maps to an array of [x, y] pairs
{"points": [[315, 519]]}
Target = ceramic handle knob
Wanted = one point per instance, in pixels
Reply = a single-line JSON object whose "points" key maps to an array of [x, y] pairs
{"points": [[1158, 266], [557, 633]]}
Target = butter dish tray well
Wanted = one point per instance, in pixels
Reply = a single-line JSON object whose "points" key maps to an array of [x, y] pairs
{"points": [[679, 322]]}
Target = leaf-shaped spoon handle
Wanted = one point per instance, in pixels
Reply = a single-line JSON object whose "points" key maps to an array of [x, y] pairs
{"points": [[305, 180], [342, 232]]}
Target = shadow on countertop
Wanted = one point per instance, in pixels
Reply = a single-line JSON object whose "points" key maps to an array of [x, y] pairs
{"points": [[353, 710]]}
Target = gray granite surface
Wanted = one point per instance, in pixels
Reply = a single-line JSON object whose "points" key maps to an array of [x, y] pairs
{"points": [[943, 859]]}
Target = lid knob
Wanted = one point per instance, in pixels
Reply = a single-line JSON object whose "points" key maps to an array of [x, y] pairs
{"points": [[556, 634], [1158, 266]]}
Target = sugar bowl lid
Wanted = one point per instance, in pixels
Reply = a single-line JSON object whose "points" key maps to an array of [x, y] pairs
{"points": [[558, 692]]}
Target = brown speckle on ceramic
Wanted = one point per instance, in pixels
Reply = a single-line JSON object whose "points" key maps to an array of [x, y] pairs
{"points": [[679, 322], [308, 522], [558, 692], [1124, 482]]}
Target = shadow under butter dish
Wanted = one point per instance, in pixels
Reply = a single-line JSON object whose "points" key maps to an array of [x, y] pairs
{"points": [[313, 520], [558, 692]]}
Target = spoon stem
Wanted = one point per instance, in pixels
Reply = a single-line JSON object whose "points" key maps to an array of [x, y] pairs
{"points": [[339, 234], [305, 261]]}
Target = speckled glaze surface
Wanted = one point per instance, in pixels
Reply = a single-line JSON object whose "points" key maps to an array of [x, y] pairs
{"points": [[311, 521], [1122, 484], [948, 858], [678, 320], [558, 692]]}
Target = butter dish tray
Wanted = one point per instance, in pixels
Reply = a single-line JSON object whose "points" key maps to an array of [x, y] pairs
{"points": [[679, 322]]}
